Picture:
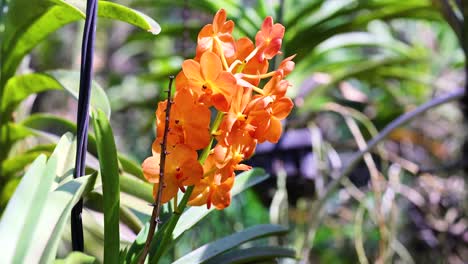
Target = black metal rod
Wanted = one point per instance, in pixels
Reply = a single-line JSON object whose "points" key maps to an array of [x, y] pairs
{"points": [[87, 52]]}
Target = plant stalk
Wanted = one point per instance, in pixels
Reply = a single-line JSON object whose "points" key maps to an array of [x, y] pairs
{"points": [[154, 221], [167, 235]]}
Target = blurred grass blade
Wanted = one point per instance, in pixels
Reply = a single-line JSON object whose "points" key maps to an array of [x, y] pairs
{"points": [[131, 167], [213, 249], [12, 132], [94, 201], [253, 255], [136, 187], [16, 163], [44, 122], [109, 169]]}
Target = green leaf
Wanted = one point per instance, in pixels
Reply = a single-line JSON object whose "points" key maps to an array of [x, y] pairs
{"points": [[94, 201], [30, 21], [131, 167], [54, 218], [12, 132], [65, 151], [194, 214], [24, 206], [46, 122], [59, 126], [253, 255], [109, 169], [20, 87], [70, 82], [16, 163], [136, 187], [35, 217], [215, 248], [77, 257], [115, 11], [137, 245]]}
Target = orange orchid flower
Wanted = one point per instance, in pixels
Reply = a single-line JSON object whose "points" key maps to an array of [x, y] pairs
{"points": [[268, 126], [276, 87], [217, 37], [236, 147], [181, 169], [269, 39], [208, 78], [236, 113], [190, 121], [215, 187], [223, 75], [245, 47]]}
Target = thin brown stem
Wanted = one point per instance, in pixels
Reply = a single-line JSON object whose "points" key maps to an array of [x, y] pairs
{"points": [[154, 221]]}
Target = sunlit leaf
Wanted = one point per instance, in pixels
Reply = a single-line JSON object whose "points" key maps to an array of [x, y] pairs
{"points": [[109, 171], [21, 86], [215, 248]]}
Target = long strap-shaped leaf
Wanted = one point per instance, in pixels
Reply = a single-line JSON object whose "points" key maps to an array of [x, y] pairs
{"points": [[217, 247], [87, 49], [110, 185]]}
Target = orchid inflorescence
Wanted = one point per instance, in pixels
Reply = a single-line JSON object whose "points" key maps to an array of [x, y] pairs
{"points": [[225, 76]]}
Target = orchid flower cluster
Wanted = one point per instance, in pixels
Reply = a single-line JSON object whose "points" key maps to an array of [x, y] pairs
{"points": [[225, 76]]}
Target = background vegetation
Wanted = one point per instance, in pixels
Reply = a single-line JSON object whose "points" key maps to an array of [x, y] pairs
{"points": [[360, 65]]}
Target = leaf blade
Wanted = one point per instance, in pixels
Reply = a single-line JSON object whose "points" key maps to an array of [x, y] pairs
{"points": [[109, 169], [217, 247]]}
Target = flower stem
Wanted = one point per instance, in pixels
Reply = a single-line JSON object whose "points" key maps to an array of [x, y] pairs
{"points": [[154, 221], [167, 235]]}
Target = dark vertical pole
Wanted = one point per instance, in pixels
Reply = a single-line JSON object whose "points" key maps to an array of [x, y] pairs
{"points": [[87, 51]]}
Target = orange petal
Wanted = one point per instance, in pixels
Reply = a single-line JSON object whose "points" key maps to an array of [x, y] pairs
{"points": [[220, 102], [226, 83], [151, 169], [219, 19], [200, 198], [196, 137], [169, 191], [221, 196], [191, 70], [192, 172], [210, 66], [274, 131], [282, 107]]}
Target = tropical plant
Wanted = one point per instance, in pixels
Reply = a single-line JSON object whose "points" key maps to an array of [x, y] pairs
{"points": [[52, 198]]}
